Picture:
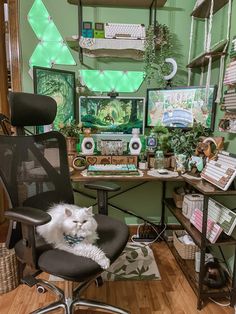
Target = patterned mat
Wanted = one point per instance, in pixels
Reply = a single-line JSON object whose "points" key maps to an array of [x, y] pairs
{"points": [[137, 262]]}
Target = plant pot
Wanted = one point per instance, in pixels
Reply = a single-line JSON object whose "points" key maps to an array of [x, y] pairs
{"points": [[71, 144], [79, 163]]}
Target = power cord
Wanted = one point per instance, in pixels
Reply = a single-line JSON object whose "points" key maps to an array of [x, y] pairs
{"points": [[137, 235]]}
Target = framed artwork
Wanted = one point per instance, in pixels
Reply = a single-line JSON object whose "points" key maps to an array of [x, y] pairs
{"points": [[60, 85]]}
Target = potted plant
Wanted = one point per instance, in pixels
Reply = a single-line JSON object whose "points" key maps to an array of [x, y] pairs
{"points": [[79, 163], [143, 164], [71, 131], [185, 142]]}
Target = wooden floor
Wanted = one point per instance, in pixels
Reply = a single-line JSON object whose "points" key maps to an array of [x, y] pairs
{"points": [[172, 294]]}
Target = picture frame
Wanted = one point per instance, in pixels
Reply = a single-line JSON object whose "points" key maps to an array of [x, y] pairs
{"points": [[60, 85]]}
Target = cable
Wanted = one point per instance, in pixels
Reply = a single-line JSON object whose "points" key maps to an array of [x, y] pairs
{"points": [[218, 303], [154, 240]]}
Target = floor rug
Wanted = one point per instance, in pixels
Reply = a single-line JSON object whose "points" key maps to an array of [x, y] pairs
{"points": [[137, 262]]}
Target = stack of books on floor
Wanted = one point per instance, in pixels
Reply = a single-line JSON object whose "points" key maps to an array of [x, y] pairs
{"points": [[112, 170]]}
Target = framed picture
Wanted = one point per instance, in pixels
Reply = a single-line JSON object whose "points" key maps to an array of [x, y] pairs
{"points": [[60, 85]]}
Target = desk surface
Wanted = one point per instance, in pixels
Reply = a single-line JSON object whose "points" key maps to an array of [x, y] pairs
{"points": [[78, 177], [200, 185]]}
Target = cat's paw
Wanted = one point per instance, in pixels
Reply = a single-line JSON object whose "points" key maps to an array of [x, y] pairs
{"points": [[104, 263]]}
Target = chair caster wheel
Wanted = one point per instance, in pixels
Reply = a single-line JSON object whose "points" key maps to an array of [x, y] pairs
{"points": [[40, 289], [99, 281]]}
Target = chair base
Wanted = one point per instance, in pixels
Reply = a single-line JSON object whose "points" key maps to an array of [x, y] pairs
{"points": [[70, 303]]}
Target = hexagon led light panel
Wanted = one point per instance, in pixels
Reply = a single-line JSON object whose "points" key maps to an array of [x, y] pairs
{"points": [[51, 48], [112, 81]]}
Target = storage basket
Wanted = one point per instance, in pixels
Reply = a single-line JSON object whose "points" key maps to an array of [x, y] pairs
{"points": [[186, 251], [178, 199], [9, 278]]}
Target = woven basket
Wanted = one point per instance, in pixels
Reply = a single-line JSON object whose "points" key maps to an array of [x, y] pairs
{"points": [[9, 278], [186, 251], [178, 199]]}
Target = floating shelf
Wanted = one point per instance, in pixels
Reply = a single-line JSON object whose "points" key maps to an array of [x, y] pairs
{"points": [[203, 10], [120, 3], [202, 60], [101, 47]]}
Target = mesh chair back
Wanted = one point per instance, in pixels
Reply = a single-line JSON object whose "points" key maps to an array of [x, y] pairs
{"points": [[34, 170]]}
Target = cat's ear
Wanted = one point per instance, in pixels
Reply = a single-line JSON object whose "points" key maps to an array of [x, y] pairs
{"points": [[89, 210], [68, 212]]}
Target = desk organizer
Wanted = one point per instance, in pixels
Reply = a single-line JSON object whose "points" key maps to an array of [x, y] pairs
{"points": [[9, 278]]}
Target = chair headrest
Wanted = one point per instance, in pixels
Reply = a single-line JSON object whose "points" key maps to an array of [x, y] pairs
{"points": [[31, 109]]}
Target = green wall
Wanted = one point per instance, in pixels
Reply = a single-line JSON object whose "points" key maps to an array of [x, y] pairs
{"points": [[144, 200], [176, 14]]}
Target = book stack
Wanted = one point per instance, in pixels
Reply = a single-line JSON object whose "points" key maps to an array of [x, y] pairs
{"points": [[233, 48], [229, 100], [230, 73], [228, 122]]}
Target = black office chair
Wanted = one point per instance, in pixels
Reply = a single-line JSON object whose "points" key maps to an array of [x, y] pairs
{"points": [[34, 179]]}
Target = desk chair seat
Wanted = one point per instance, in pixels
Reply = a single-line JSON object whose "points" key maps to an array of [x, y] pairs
{"points": [[112, 236]]}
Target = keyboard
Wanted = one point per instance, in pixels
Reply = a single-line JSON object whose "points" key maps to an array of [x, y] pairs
{"points": [[213, 229], [122, 169], [125, 31], [222, 215], [221, 172]]}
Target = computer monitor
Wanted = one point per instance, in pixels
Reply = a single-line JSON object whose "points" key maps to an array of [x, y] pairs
{"points": [[180, 107], [115, 116]]}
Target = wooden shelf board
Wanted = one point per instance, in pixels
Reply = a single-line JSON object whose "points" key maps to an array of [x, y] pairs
{"points": [[121, 3], [203, 10], [188, 269], [207, 188], [192, 231], [203, 59]]}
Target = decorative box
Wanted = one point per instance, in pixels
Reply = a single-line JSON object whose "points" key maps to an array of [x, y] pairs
{"points": [[190, 203]]}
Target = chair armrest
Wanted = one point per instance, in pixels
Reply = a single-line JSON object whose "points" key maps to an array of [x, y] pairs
{"points": [[28, 215], [101, 185]]}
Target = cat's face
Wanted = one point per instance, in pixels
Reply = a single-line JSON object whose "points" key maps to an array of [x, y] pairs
{"points": [[79, 222]]}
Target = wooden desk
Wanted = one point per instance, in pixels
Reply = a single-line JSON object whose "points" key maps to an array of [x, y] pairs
{"points": [[139, 180], [78, 177]]}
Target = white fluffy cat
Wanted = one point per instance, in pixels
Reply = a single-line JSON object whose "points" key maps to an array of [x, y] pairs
{"points": [[73, 229]]}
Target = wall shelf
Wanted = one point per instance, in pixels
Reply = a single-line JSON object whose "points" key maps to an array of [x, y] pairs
{"points": [[120, 3], [203, 59], [203, 10], [101, 47]]}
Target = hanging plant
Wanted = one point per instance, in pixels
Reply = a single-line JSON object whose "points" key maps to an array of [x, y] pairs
{"points": [[158, 46]]}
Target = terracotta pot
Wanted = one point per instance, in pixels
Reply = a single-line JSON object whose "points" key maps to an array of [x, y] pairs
{"points": [[71, 145]]}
